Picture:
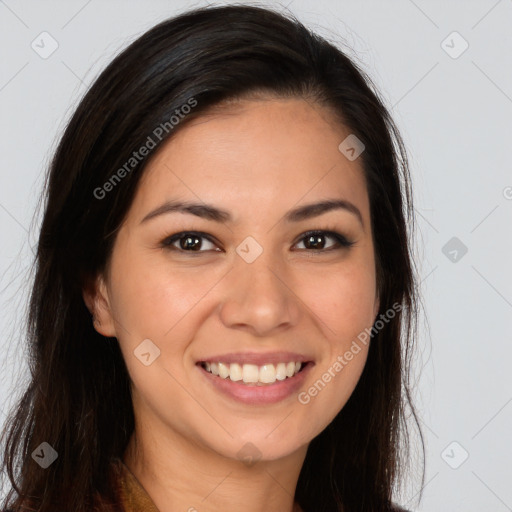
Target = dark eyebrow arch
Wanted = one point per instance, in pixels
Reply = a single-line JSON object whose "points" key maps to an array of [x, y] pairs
{"points": [[210, 212]]}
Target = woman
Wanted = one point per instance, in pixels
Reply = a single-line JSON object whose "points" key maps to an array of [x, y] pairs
{"points": [[224, 302]]}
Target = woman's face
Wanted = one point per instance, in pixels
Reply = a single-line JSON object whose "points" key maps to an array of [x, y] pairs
{"points": [[254, 284]]}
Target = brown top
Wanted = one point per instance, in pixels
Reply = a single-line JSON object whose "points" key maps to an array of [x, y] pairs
{"points": [[131, 496]]}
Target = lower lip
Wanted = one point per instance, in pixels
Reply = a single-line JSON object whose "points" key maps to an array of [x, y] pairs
{"points": [[257, 395]]}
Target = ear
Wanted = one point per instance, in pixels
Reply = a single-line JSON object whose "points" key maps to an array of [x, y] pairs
{"points": [[95, 295]]}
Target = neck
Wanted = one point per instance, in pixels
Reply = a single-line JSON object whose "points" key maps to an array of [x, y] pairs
{"points": [[181, 475]]}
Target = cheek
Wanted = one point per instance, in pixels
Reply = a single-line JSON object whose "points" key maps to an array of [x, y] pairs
{"points": [[343, 299], [152, 296], [344, 302], [345, 307]]}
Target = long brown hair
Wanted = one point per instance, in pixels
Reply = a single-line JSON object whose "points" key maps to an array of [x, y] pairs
{"points": [[78, 399]]}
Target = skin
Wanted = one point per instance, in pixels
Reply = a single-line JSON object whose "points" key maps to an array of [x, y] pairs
{"points": [[257, 159]]}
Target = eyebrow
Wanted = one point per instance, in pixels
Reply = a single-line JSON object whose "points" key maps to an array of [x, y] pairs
{"points": [[210, 212]]}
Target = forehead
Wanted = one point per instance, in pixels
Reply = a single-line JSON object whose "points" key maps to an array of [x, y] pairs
{"points": [[265, 154]]}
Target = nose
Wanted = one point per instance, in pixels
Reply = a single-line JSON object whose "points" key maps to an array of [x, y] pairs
{"points": [[258, 297]]}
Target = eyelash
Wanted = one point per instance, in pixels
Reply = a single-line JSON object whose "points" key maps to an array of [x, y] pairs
{"points": [[341, 241]]}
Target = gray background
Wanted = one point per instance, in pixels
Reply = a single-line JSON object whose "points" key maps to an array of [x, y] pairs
{"points": [[454, 111]]}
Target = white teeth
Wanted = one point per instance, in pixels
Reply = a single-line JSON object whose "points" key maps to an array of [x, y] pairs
{"points": [[235, 372], [253, 374], [250, 373], [267, 373], [223, 371], [281, 371], [290, 369]]}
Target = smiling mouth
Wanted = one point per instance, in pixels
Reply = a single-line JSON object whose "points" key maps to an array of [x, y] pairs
{"points": [[254, 375]]}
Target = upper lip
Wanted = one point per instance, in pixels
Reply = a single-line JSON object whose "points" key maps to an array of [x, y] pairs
{"points": [[258, 359]]}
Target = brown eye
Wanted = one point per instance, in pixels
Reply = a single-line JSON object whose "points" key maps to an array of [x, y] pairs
{"points": [[187, 242], [315, 241]]}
